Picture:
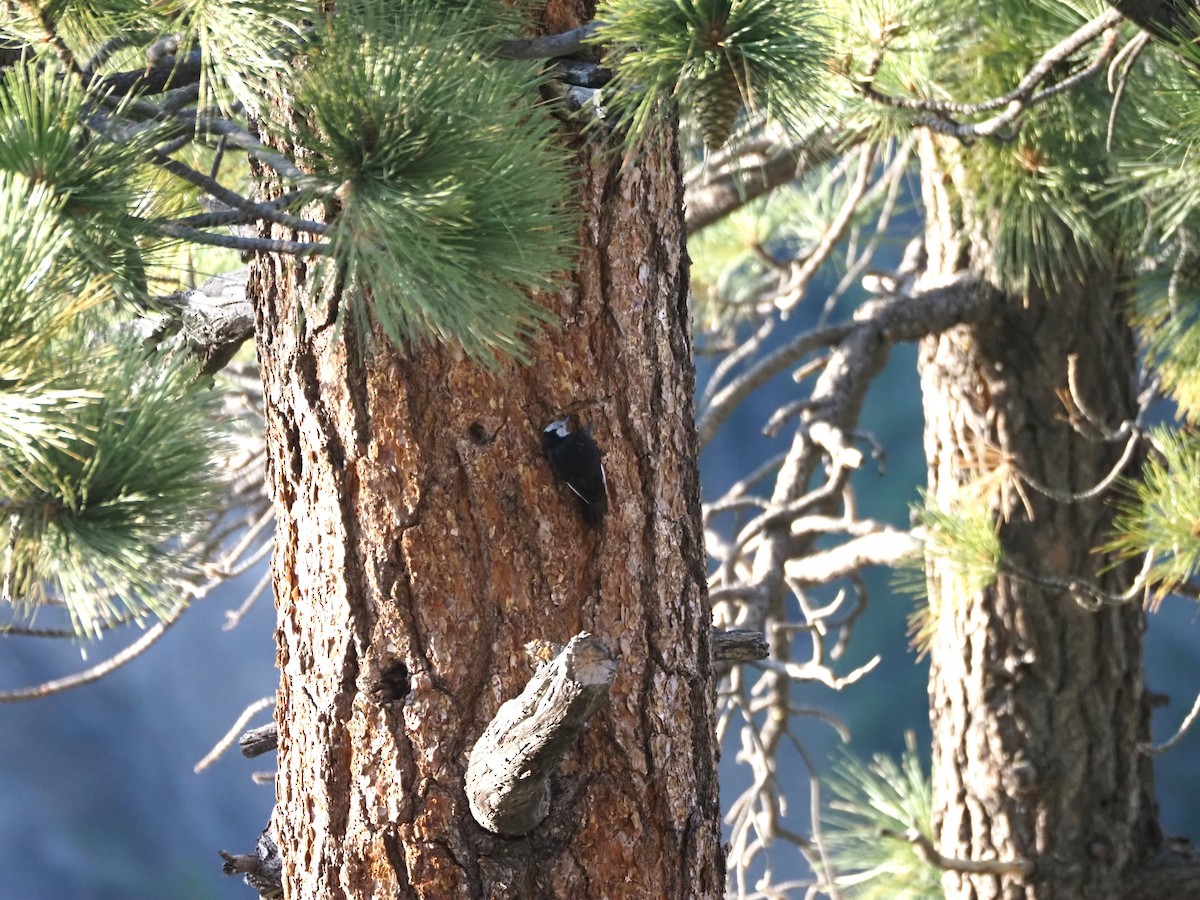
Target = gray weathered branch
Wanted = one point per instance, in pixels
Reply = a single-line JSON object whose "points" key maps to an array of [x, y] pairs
{"points": [[260, 740], [212, 321], [890, 319], [941, 113], [263, 869], [546, 46], [739, 645], [888, 547], [508, 775], [719, 193]]}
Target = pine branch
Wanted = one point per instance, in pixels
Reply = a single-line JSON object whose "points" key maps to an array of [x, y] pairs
{"points": [[172, 73], [886, 547], [243, 244], [95, 673], [223, 215], [237, 137], [801, 272], [899, 317], [270, 212], [1026, 94], [566, 43], [232, 734], [51, 36], [716, 195]]}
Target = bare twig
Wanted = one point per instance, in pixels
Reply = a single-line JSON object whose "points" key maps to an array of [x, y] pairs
{"points": [[927, 310], [234, 618], [811, 671], [269, 212], [233, 242], [228, 739], [96, 672], [929, 853], [1122, 62], [1178, 735], [941, 113], [803, 271]]}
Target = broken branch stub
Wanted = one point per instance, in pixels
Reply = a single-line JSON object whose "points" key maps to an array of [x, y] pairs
{"points": [[508, 776]]}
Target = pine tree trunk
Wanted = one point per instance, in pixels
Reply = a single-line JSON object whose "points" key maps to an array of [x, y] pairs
{"points": [[422, 541], [1038, 706]]}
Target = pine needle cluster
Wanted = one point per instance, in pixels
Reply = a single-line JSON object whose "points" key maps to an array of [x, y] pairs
{"points": [[960, 543], [716, 58], [105, 450], [96, 511], [873, 805], [1048, 220], [43, 138], [451, 193], [1162, 515]]}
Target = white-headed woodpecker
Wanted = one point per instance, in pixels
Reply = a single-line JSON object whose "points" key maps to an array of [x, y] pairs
{"points": [[575, 458]]}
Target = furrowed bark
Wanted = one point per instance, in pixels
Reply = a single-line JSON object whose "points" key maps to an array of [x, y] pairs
{"points": [[422, 542], [1038, 705]]}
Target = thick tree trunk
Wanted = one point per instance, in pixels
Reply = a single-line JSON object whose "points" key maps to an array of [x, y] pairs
{"points": [[1038, 707], [422, 541]]}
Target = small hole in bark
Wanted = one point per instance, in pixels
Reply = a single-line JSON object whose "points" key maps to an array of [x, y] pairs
{"points": [[479, 434], [393, 683]]}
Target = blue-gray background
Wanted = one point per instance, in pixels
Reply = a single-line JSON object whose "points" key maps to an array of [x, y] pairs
{"points": [[98, 799]]}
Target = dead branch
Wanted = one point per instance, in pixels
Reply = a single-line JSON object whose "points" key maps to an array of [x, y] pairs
{"points": [[98, 671], [565, 43], [508, 776], [940, 114], [263, 869], [258, 741], [228, 738], [720, 191], [930, 854], [887, 547], [739, 645]]}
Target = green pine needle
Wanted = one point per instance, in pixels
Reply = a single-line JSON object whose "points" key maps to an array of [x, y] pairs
{"points": [[881, 796], [731, 259], [962, 545], [451, 188], [768, 56], [43, 138], [962, 538], [1163, 515], [1167, 314], [30, 216], [1049, 221], [82, 24], [240, 63], [95, 518]]}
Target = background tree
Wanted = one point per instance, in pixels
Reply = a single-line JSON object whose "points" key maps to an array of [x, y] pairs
{"points": [[399, 238]]}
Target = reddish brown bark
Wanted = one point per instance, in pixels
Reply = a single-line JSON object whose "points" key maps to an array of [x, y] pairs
{"points": [[422, 541]]}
